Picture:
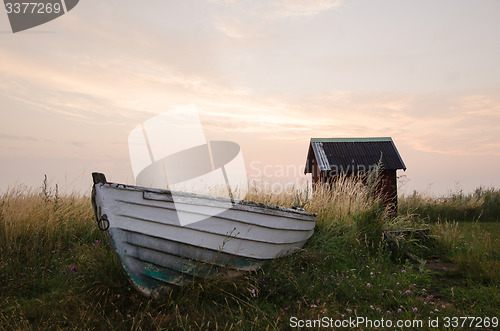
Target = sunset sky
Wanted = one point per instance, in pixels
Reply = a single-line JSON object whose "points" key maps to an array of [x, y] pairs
{"points": [[267, 74]]}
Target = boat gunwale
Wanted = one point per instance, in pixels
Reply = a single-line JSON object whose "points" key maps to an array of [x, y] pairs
{"points": [[234, 202]]}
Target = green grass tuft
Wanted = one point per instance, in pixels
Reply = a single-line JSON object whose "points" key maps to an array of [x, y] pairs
{"points": [[483, 205]]}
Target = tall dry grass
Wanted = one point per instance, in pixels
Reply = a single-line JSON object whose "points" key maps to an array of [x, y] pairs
{"points": [[36, 221], [350, 209], [341, 203], [335, 202], [51, 255], [57, 272]]}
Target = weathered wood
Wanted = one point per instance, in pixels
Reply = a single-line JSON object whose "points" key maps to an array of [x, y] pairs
{"points": [[98, 178], [155, 249]]}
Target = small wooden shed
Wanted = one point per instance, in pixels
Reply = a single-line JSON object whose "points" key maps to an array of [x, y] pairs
{"points": [[327, 158]]}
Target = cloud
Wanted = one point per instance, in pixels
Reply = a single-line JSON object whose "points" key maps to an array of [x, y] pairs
{"points": [[282, 8], [4, 136], [252, 20], [465, 130], [308, 8], [120, 58], [96, 88], [232, 27], [122, 92]]}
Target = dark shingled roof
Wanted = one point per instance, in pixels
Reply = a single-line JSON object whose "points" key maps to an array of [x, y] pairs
{"points": [[346, 154]]}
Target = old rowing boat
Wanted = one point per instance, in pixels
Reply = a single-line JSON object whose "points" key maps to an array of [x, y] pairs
{"points": [[155, 250]]}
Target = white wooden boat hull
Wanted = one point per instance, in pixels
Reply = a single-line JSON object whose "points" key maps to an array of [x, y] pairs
{"points": [[155, 250]]}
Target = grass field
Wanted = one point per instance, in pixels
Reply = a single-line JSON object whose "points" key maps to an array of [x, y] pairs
{"points": [[58, 272]]}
